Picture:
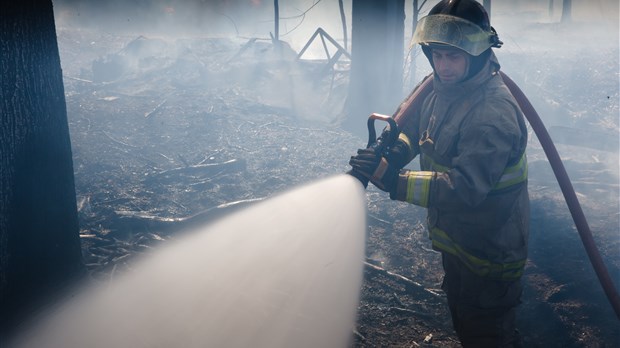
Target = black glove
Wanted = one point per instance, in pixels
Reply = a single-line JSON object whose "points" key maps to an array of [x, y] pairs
{"points": [[375, 168], [399, 154]]}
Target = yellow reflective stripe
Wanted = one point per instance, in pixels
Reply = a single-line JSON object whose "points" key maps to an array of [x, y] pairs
{"points": [[418, 187], [405, 139], [512, 175], [477, 265], [481, 267]]}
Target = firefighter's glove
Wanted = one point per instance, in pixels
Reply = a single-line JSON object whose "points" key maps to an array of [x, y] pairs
{"points": [[399, 154], [375, 168]]}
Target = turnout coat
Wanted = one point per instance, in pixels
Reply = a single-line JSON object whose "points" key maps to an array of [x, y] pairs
{"points": [[471, 139]]}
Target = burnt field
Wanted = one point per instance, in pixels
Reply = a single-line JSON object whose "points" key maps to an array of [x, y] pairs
{"points": [[172, 132]]}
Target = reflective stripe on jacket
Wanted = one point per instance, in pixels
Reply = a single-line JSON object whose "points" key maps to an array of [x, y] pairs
{"points": [[484, 268], [512, 175]]}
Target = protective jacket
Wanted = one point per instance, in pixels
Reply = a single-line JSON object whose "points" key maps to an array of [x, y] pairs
{"points": [[471, 138]]}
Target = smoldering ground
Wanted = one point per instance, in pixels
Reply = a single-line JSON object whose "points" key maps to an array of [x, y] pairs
{"points": [[209, 102]]}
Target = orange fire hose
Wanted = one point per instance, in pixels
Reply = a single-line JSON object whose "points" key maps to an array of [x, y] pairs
{"points": [[413, 104]]}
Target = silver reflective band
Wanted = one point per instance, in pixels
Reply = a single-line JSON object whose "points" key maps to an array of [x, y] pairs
{"points": [[513, 175], [453, 31], [418, 187]]}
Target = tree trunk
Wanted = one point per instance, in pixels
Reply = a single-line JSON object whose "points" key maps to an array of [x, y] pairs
{"points": [[377, 50], [412, 54], [39, 233], [344, 24], [566, 11], [551, 9], [416, 15], [276, 14], [487, 6]]}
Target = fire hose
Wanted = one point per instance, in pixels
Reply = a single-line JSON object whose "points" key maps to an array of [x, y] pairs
{"points": [[569, 193], [413, 104]]}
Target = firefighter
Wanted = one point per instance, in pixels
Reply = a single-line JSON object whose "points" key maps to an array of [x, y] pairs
{"points": [[470, 136]]}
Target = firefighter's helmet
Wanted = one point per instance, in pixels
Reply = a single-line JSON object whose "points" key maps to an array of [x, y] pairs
{"points": [[463, 24]]}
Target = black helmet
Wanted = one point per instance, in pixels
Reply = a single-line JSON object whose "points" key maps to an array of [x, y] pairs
{"points": [[463, 24]]}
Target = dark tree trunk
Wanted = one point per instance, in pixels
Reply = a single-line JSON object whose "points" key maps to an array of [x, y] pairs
{"points": [[276, 13], [39, 233], [377, 50], [566, 11]]}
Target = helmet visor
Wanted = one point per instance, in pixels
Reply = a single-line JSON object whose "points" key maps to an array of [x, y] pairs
{"points": [[453, 31]]}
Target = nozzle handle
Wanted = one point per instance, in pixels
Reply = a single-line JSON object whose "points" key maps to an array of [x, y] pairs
{"points": [[372, 133]]}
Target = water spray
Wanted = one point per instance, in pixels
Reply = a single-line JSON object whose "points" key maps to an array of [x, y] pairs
{"points": [[285, 272]]}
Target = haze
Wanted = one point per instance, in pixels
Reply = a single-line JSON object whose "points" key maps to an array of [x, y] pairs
{"points": [[569, 71]]}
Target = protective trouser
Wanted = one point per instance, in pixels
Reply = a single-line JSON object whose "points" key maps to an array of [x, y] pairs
{"points": [[483, 309]]}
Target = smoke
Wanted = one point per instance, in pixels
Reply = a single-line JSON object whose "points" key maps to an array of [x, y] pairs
{"points": [[569, 70], [570, 73], [298, 19]]}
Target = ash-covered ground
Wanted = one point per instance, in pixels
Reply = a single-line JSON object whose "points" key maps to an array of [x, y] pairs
{"points": [[170, 132]]}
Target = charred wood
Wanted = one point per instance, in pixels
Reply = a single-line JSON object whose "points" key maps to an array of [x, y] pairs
{"points": [[409, 284], [231, 166]]}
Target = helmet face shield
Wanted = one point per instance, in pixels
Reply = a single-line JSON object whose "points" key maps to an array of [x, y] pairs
{"points": [[453, 31]]}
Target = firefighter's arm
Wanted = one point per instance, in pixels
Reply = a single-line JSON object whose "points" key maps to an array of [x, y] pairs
{"points": [[465, 185]]}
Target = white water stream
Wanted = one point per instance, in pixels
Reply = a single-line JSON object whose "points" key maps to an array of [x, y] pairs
{"points": [[285, 272]]}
